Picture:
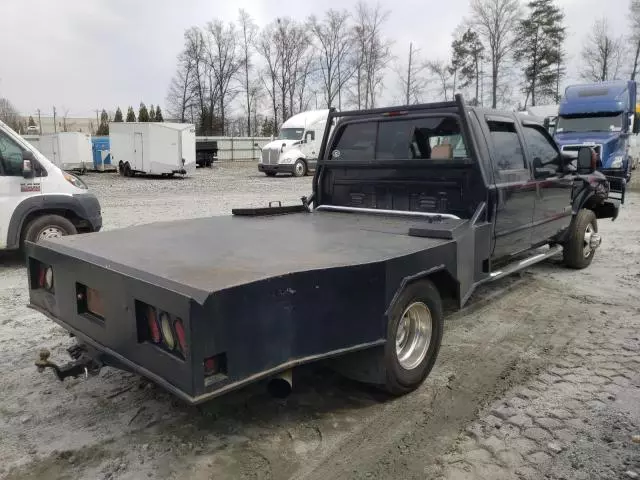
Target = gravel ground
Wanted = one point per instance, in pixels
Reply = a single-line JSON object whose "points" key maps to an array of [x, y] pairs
{"points": [[537, 378]]}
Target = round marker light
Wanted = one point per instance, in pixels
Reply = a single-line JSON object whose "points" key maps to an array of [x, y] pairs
{"points": [[154, 329], [48, 278], [182, 338], [167, 332]]}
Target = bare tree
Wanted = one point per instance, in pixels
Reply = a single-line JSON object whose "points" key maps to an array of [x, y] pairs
{"points": [[602, 54], [248, 33], [373, 53], [496, 22], [331, 37], [443, 73], [9, 114], [412, 76], [635, 35], [224, 61], [271, 56], [181, 95]]}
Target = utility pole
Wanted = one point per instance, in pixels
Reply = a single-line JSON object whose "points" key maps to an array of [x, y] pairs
{"points": [[409, 74], [55, 125], [97, 119], [39, 122]]}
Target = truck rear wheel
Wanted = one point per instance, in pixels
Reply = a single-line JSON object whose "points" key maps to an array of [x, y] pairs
{"points": [[47, 227], [580, 247], [414, 335]]}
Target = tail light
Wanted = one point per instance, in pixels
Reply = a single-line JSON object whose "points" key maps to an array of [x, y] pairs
{"points": [[42, 276], [182, 338], [167, 331], [152, 323]]}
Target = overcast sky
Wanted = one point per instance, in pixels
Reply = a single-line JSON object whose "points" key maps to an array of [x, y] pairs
{"points": [[80, 55]]}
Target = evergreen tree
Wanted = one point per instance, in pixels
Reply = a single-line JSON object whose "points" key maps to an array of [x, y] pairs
{"points": [[143, 113], [268, 128], [152, 113], [118, 116], [159, 117], [539, 49], [131, 116], [467, 56], [103, 128], [32, 122]]}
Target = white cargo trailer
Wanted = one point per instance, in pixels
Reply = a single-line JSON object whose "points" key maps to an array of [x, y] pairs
{"points": [[153, 148], [70, 151]]}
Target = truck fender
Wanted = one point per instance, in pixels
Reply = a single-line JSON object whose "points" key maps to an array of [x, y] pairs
{"points": [[44, 203], [581, 201]]}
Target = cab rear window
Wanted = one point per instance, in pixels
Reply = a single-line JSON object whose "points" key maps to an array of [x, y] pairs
{"points": [[432, 138]]}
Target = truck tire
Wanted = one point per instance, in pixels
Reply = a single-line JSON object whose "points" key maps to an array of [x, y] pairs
{"points": [[127, 170], [577, 252], [48, 226], [414, 334], [299, 168], [121, 169]]}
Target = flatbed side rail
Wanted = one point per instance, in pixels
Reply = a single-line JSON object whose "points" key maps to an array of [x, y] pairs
{"points": [[379, 211]]}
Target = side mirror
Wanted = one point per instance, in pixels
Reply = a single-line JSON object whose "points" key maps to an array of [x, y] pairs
{"points": [[586, 160], [28, 164]]}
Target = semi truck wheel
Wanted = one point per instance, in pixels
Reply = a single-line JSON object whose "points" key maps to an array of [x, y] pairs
{"points": [[48, 226], [414, 335], [299, 168], [579, 249]]}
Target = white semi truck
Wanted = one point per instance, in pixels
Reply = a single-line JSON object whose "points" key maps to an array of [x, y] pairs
{"points": [[295, 151]]}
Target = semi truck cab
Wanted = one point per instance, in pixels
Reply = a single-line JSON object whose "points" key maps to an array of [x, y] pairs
{"points": [[602, 116], [296, 149]]}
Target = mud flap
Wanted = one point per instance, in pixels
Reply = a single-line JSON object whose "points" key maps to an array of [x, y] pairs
{"points": [[366, 366]]}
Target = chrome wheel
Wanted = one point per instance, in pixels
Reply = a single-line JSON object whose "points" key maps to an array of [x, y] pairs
{"points": [[413, 335], [50, 232], [299, 168], [587, 245]]}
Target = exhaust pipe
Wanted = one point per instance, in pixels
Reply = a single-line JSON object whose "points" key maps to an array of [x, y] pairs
{"points": [[280, 386]]}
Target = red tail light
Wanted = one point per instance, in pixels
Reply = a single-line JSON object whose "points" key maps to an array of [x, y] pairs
{"points": [[154, 328], [182, 338]]}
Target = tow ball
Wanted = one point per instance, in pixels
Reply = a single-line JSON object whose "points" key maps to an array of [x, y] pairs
{"points": [[82, 363]]}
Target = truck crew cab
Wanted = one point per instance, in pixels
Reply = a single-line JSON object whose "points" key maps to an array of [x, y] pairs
{"points": [[39, 201], [410, 206]]}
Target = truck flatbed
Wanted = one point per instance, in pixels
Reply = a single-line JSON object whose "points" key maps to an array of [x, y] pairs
{"points": [[200, 256]]}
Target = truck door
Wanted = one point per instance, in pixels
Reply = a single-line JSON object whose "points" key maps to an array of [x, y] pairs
{"points": [[552, 210], [310, 148], [515, 190], [13, 187]]}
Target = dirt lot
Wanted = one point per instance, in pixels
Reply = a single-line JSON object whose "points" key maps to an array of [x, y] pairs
{"points": [[537, 378]]}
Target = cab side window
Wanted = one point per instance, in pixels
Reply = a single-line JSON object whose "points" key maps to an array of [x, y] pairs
{"points": [[10, 157], [546, 159], [507, 149]]}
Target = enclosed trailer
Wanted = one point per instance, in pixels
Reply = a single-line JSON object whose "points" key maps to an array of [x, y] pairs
{"points": [[101, 154], [153, 148], [68, 150]]}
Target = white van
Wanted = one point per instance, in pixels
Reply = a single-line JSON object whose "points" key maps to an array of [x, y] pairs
{"points": [[296, 149], [38, 200]]}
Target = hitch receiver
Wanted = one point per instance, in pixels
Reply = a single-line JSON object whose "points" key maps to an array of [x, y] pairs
{"points": [[82, 364]]}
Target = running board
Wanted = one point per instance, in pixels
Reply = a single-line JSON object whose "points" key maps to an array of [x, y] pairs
{"points": [[527, 262]]}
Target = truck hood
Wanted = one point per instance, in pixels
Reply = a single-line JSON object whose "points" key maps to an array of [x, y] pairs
{"points": [[612, 143], [277, 144]]}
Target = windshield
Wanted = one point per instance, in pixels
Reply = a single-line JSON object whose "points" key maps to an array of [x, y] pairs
{"points": [[600, 123], [291, 134]]}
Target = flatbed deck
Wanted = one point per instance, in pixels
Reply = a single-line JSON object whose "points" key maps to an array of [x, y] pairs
{"points": [[217, 253]]}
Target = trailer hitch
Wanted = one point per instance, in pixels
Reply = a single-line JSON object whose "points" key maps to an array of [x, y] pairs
{"points": [[82, 364]]}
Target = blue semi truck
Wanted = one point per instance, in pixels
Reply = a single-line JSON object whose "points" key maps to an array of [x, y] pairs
{"points": [[602, 116]]}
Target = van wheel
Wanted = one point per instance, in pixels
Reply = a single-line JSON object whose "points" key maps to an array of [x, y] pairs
{"points": [[47, 227], [414, 335], [299, 168], [579, 250]]}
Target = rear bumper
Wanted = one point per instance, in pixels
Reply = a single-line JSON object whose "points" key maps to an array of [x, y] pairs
{"points": [[275, 168]]}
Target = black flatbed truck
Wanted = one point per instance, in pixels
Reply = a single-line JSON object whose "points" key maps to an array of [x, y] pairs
{"points": [[410, 205]]}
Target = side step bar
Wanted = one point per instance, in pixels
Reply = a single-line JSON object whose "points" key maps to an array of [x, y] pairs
{"points": [[527, 262]]}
